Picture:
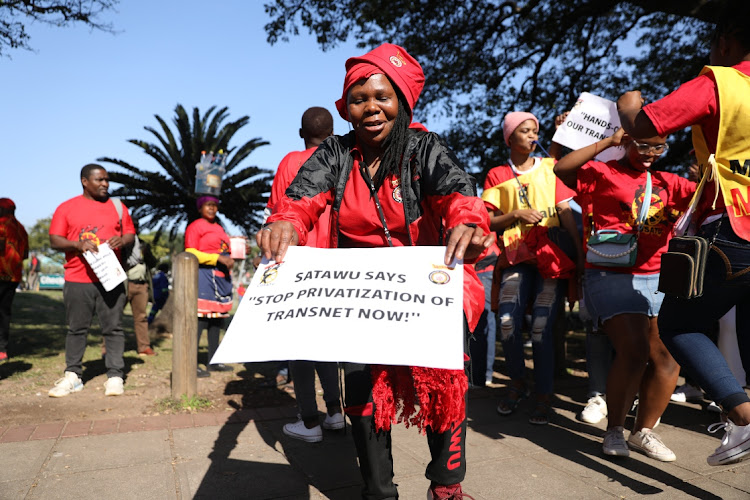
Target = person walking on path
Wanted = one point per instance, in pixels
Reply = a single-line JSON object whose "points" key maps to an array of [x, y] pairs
{"points": [[317, 125], [14, 248], [716, 105], [392, 186], [32, 280], [80, 225]]}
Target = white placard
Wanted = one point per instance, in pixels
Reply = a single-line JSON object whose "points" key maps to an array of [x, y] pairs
{"points": [[591, 120], [395, 306], [106, 266]]}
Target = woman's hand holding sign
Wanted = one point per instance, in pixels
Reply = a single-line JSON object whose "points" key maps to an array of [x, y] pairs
{"points": [[466, 242], [274, 239]]}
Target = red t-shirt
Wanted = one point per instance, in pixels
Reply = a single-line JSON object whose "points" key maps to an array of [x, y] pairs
{"points": [[81, 219], [286, 172], [614, 194], [359, 220], [503, 173], [207, 237], [694, 103]]}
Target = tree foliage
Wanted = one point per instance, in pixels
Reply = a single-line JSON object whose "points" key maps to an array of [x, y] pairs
{"points": [[165, 200], [16, 14], [484, 58]]}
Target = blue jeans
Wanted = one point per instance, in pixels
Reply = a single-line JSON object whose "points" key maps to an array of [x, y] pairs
{"points": [[521, 283], [683, 324], [482, 346]]}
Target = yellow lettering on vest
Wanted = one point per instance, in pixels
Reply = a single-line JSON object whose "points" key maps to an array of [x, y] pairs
{"points": [[741, 205]]}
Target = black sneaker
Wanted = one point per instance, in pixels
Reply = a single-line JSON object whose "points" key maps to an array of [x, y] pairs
{"points": [[219, 367], [203, 373]]}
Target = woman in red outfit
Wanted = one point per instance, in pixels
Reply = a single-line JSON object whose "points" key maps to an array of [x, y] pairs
{"points": [[206, 239], [624, 300], [390, 185]]}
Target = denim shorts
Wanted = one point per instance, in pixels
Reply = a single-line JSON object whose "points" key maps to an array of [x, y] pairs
{"points": [[609, 293]]}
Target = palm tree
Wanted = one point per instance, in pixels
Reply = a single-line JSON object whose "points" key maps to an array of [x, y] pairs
{"points": [[165, 200]]}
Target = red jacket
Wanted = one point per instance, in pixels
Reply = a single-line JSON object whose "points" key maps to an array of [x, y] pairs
{"points": [[435, 190]]}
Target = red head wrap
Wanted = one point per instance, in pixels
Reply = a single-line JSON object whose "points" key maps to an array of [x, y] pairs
{"points": [[392, 61]]}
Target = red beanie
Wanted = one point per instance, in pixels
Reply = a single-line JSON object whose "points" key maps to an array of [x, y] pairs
{"points": [[395, 63], [7, 204]]}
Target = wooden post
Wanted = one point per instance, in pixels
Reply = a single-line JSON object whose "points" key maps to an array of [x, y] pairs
{"points": [[185, 326]]}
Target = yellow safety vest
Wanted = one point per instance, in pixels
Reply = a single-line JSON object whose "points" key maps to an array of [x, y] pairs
{"points": [[540, 186], [730, 164]]}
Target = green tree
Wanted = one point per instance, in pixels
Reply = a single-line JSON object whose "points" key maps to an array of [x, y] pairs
{"points": [[16, 14], [483, 58], [164, 201]]}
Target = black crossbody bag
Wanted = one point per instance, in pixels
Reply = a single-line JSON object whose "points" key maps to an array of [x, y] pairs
{"points": [[683, 265]]}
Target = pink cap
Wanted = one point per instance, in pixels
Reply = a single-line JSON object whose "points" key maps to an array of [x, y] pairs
{"points": [[513, 119]]}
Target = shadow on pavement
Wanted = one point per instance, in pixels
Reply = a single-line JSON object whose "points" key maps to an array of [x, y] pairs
{"points": [[321, 465]]}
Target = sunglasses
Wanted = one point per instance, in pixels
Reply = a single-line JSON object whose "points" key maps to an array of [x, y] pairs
{"points": [[643, 149]]}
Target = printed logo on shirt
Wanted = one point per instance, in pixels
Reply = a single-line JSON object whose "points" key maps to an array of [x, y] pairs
{"points": [[397, 197], [659, 217], [89, 233], [224, 247]]}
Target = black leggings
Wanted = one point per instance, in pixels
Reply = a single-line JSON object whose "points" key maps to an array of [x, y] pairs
{"points": [[213, 325], [447, 449]]}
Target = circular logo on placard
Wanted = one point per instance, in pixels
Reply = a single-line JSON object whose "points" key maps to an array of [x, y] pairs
{"points": [[439, 277], [396, 61], [397, 195]]}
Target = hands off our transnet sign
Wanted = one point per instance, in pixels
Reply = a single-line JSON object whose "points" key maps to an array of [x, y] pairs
{"points": [[592, 119], [396, 306]]}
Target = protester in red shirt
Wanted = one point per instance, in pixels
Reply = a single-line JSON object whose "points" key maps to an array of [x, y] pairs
{"points": [[207, 240], [625, 299], [317, 125], [524, 199], [80, 225], [14, 248], [716, 105], [429, 199]]}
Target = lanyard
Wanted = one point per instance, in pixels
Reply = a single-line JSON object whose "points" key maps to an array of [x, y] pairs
{"points": [[522, 192], [374, 193]]}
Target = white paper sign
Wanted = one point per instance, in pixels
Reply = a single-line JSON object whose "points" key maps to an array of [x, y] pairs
{"points": [[106, 266], [591, 120], [395, 306]]}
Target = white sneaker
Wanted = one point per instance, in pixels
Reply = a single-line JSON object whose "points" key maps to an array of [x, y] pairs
{"points": [[334, 422], [297, 430], [713, 407], [70, 382], [734, 446], [113, 387], [686, 392], [594, 411], [649, 443], [614, 442]]}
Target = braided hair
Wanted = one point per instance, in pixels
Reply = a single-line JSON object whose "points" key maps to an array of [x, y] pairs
{"points": [[395, 143]]}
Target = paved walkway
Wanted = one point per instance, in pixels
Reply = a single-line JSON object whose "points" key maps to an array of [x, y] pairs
{"points": [[245, 455]]}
